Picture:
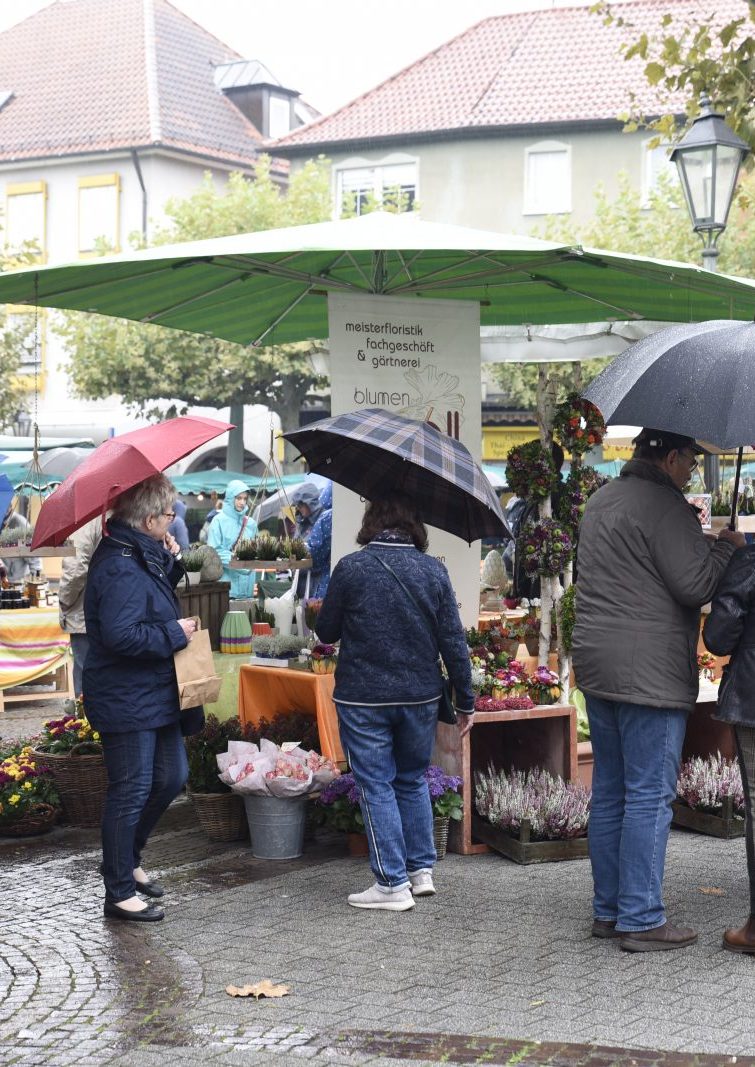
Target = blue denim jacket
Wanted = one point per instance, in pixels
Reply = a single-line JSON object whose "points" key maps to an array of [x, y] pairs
{"points": [[388, 653]]}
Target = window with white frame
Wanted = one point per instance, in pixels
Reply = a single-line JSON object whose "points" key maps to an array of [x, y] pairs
{"points": [[547, 179], [99, 213], [390, 184], [32, 336], [26, 217], [279, 117], [656, 162]]}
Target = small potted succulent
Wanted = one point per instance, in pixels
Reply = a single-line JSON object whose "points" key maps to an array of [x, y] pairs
{"points": [[193, 561], [322, 659]]}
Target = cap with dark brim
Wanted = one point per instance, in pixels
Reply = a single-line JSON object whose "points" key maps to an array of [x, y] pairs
{"points": [[666, 439]]}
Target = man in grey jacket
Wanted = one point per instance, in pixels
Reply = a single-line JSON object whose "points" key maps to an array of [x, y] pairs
{"points": [[71, 591], [645, 570]]}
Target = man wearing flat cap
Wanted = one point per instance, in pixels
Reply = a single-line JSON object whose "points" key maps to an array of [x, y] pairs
{"points": [[645, 570]]}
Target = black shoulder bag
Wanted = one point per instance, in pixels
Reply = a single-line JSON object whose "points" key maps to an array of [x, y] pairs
{"points": [[446, 709]]}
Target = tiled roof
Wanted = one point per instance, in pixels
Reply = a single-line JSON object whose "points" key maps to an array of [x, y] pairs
{"points": [[92, 76], [560, 65]]}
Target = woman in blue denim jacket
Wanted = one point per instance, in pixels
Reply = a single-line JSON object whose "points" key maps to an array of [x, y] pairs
{"points": [[387, 689]]}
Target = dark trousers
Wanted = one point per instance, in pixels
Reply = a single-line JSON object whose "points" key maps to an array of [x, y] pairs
{"points": [[746, 751], [146, 770]]}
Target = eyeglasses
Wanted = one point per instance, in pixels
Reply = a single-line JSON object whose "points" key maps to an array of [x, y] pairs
{"points": [[692, 459], [169, 515]]}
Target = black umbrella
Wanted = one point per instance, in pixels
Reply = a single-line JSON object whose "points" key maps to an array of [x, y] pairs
{"points": [[696, 379], [373, 451]]}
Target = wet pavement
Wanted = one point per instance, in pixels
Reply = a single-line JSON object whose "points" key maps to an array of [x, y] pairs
{"points": [[498, 968]]}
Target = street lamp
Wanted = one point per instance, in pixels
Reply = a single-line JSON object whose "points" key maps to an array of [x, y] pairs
{"points": [[708, 159]]}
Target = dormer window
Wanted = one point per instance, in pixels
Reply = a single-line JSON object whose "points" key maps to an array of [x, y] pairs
{"points": [[279, 115], [259, 95]]}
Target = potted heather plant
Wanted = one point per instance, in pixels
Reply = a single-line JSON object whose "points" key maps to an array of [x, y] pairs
{"points": [[531, 816], [193, 561], [219, 811], [710, 796]]}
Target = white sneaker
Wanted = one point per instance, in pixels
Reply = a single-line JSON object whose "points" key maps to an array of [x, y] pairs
{"points": [[422, 883], [383, 898]]}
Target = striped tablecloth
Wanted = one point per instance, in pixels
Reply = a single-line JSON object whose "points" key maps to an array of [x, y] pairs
{"points": [[31, 644]]}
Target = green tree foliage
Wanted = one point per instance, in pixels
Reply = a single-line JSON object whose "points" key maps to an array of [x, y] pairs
{"points": [[692, 56], [18, 343], [659, 228], [159, 371]]}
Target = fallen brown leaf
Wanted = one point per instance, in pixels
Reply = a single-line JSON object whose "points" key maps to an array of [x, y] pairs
{"points": [[265, 988], [712, 891]]}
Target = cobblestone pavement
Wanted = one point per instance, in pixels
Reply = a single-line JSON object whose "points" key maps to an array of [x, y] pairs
{"points": [[498, 968]]}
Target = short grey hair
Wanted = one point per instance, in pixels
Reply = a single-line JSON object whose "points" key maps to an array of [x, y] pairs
{"points": [[154, 496]]}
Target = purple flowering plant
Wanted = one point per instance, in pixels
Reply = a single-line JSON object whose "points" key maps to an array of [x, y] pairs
{"points": [[339, 801], [546, 547], [445, 793]]}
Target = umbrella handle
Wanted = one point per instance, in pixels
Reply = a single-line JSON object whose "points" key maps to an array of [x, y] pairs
{"points": [[735, 493]]}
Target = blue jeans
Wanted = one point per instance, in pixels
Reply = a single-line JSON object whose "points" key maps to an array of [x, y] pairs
{"points": [[388, 749], [636, 751], [79, 649], [146, 770]]}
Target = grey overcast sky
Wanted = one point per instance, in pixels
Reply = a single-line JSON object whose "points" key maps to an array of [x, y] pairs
{"points": [[329, 50]]}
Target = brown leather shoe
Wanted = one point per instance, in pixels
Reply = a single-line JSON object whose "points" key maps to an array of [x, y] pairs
{"points": [[741, 940], [605, 928], [661, 939]]}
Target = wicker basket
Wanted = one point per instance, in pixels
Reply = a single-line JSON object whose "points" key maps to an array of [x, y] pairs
{"points": [[221, 815], [39, 820], [81, 781], [440, 835]]}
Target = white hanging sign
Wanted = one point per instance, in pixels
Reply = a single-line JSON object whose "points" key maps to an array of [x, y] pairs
{"points": [[420, 358]]}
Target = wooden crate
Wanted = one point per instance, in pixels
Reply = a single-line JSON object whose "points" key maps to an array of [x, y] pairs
{"points": [[544, 736], [705, 822], [208, 600], [522, 850]]}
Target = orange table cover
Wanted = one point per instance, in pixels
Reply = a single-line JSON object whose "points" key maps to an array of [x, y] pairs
{"points": [[266, 691]]}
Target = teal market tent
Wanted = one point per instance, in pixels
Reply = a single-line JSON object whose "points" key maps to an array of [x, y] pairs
{"points": [[216, 481]]}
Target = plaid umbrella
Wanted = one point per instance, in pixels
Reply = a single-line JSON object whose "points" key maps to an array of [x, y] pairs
{"points": [[373, 451]]}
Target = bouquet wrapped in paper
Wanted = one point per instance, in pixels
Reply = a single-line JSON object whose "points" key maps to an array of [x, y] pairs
{"points": [[270, 770]]}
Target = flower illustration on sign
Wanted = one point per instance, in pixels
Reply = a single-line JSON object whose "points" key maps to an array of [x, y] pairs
{"points": [[438, 399]]}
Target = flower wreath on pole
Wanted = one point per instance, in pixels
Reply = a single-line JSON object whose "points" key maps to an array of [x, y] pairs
{"points": [[578, 425], [546, 547], [530, 471], [578, 488]]}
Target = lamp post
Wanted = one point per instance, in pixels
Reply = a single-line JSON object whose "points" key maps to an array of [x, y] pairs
{"points": [[708, 159]]}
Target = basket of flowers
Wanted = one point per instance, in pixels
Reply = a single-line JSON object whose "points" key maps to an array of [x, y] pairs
{"points": [[219, 811], [322, 659], [445, 797], [70, 749], [29, 802]]}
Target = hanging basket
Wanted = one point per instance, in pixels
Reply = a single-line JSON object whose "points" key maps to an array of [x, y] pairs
{"points": [[221, 815], [39, 820], [81, 781], [440, 835]]}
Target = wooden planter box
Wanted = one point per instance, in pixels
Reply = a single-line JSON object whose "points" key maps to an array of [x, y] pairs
{"points": [[704, 822], [522, 850], [208, 600]]}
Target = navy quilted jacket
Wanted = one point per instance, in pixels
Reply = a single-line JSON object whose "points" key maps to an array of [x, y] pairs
{"points": [[132, 624], [388, 653]]}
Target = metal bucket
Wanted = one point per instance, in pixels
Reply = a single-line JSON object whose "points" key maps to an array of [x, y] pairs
{"points": [[276, 826]]}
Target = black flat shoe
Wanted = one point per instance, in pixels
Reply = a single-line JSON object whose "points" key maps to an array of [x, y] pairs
{"points": [[147, 889], [150, 889], [150, 914]]}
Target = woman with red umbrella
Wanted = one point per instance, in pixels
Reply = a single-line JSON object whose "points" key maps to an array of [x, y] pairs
{"points": [[130, 695]]}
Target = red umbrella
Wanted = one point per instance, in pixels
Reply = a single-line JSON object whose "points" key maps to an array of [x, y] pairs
{"points": [[115, 466]]}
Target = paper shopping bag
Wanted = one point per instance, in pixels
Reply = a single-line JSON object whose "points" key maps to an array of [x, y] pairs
{"points": [[195, 672]]}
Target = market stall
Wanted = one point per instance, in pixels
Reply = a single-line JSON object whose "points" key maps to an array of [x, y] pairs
{"points": [[32, 646]]}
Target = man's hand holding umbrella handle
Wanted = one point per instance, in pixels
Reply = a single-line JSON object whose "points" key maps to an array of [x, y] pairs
{"points": [[464, 722], [736, 537], [189, 627]]}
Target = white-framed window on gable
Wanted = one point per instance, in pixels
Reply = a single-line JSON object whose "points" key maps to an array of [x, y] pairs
{"points": [[391, 184], [99, 213], [19, 320], [655, 162], [279, 116], [26, 218], [547, 179]]}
